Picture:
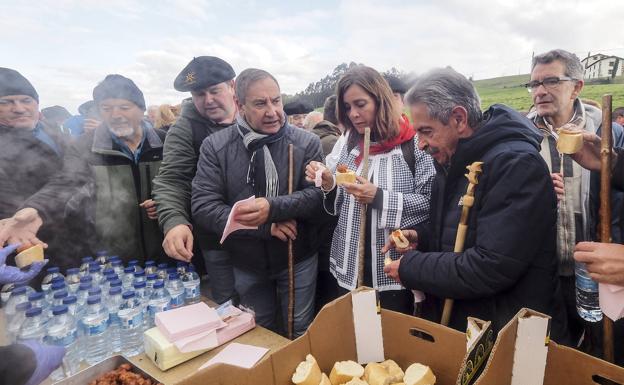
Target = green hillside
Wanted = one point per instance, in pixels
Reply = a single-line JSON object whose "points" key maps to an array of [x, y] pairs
{"points": [[509, 90]]}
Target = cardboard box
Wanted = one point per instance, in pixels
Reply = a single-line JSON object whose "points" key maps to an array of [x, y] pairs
{"points": [[331, 338], [563, 365]]}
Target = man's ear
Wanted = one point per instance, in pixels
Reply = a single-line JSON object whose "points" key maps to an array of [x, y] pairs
{"points": [[578, 87], [459, 119]]}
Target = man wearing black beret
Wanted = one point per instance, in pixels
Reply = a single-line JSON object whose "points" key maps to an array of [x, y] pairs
{"points": [[297, 112], [30, 155], [107, 176], [210, 80]]}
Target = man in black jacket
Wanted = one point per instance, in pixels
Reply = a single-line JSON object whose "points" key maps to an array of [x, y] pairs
{"points": [[509, 260], [247, 159]]}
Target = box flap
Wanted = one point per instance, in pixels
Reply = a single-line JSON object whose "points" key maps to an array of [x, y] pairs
{"points": [[531, 349], [367, 326], [479, 344]]}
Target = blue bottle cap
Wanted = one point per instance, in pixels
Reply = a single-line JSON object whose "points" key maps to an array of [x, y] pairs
{"points": [[36, 296], [114, 290], [159, 284], [53, 269], [116, 262], [108, 270], [95, 291], [33, 311], [86, 278], [112, 277], [139, 273], [60, 294], [139, 285], [133, 262], [150, 263], [101, 253], [163, 266], [94, 269], [58, 286], [59, 309], [93, 299], [128, 269], [87, 259], [128, 294], [23, 306], [173, 276], [84, 286], [20, 290], [57, 279], [73, 270], [70, 299], [115, 283], [151, 277]]}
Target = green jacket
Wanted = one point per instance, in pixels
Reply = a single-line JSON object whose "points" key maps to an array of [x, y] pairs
{"points": [[172, 185], [107, 186]]}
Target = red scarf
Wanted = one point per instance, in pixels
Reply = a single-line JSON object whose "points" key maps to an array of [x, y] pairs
{"points": [[406, 132]]}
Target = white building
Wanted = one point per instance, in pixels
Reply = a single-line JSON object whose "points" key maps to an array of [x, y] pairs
{"points": [[602, 66]]}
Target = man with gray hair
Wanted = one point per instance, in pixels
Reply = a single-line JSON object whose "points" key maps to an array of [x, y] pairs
{"points": [[508, 260], [250, 159]]}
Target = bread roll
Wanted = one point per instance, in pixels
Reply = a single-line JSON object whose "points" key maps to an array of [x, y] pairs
{"points": [[570, 141], [344, 371], [28, 256], [394, 370], [356, 381], [419, 374], [375, 374], [344, 175], [307, 372], [399, 239]]}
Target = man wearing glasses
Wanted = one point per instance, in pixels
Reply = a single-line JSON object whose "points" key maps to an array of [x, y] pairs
{"points": [[556, 82]]}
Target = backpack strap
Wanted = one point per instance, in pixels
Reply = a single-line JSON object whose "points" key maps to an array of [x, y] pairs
{"points": [[407, 148]]}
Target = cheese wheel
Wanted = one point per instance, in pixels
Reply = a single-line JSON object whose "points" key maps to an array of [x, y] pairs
{"points": [[419, 374], [28, 256], [307, 372], [344, 371]]}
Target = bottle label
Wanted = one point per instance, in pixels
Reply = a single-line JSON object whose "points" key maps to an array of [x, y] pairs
{"points": [[65, 340], [153, 309], [113, 319], [94, 330], [133, 321], [191, 290], [177, 300]]}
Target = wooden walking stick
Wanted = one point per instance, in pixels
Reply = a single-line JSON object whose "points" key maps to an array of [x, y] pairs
{"points": [[605, 211], [362, 243], [467, 201], [291, 257]]}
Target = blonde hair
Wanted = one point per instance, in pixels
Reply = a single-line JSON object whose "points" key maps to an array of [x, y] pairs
{"points": [[165, 117]]}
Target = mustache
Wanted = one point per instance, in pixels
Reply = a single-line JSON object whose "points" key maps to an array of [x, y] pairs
{"points": [[431, 150]]}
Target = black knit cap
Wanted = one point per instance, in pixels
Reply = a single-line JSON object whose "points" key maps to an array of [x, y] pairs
{"points": [[396, 85], [202, 72], [13, 83], [118, 87], [297, 107]]}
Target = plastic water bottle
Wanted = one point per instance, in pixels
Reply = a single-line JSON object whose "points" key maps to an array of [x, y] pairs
{"points": [[73, 279], [57, 284], [139, 276], [176, 290], [114, 303], [587, 304], [127, 277], [101, 257], [94, 326], [83, 293], [84, 266], [181, 268], [95, 291], [140, 292], [71, 301], [107, 271], [19, 295], [17, 321], [131, 319], [117, 267], [107, 283], [7, 290], [34, 326], [162, 271], [149, 284], [58, 298], [150, 267], [96, 274], [191, 283], [37, 299], [62, 331], [159, 301], [135, 265], [51, 273]]}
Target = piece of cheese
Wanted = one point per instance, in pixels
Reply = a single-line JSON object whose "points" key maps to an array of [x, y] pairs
{"points": [[394, 370], [307, 372], [163, 353], [569, 142], [28, 256], [345, 177], [344, 371], [419, 374], [375, 374]]}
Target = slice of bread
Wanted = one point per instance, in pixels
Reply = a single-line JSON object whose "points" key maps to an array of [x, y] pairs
{"points": [[375, 374], [344, 371], [345, 177], [419, 374], [399, 239], [394, 370], [28, 256], [356, 381], [307, 372]]}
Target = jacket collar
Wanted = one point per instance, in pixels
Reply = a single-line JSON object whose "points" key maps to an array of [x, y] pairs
{"points": [[103, 142]]}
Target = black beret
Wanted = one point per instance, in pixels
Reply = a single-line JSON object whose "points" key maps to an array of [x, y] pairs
{"points": [[397, 85], [202, 72], [118, 87], [13, 83], [84, 108], [297, 107]]}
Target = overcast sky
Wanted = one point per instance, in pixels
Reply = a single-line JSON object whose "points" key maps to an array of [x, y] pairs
{"points": [[65, 47]]}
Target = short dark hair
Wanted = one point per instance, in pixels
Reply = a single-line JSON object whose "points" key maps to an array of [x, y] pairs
{"points": [[329, 110], [246, 78], [617, 113], [571, 62]]}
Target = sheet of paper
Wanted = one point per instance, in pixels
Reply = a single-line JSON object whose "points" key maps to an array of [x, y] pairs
{"points": [[245, 356], [318, 178], [200, 341], [611, 299], [232, 225]]}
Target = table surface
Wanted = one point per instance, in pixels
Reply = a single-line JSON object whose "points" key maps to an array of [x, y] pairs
{"points": [[258, 336]]}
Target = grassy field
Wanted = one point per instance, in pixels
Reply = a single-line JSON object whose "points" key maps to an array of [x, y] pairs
{"points": [[509, 90]]}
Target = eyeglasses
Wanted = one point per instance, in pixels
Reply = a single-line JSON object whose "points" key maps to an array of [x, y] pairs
{"points": [[548, 83]]}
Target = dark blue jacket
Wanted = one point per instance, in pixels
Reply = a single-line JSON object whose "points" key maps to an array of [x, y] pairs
{"points": [[509, 259]]}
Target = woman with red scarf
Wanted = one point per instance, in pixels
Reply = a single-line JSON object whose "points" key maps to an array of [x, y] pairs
{"points": [[396, 193]]}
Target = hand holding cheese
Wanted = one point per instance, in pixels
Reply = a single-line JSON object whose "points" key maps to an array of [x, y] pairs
{"points": [[569, 141], [11, 274], [344, 175]]}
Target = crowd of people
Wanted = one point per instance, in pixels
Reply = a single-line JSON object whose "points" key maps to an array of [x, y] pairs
{"points": [[161, 186]]}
